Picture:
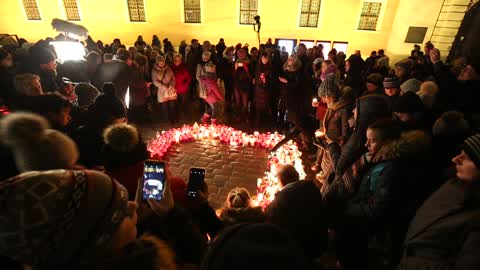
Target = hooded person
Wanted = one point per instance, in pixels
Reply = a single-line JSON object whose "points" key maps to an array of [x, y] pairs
{"points": [[34, 145], [255, 247], [86, 95], [238, 208], [77, 220], [124, 154]]}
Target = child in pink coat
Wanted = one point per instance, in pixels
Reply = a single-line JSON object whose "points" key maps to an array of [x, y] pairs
{"points": [[214, 96]]}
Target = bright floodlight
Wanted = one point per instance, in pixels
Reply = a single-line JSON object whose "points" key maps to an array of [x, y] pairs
{"points": [[68, 50]]}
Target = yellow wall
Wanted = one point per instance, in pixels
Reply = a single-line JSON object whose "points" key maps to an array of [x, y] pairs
{"points": [[411, 13], [107, 19]]}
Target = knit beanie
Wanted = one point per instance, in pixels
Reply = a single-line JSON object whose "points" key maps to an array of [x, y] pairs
{"points": [[86, 94], [328, 88], [41, 55], [35, 146], [391, 82], [255, 247], [375, 79], [52, 219], [471, 147], [408, 103], [411, 85], [451, 123]]}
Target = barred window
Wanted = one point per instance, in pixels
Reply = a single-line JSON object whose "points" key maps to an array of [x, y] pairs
{"points": [[31, 10], [309, 13], [71, 10], [369, 16], [248, 10], [136, 10], [192, 11]]}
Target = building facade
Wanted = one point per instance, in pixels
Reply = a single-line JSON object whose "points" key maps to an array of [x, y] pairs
{"points": [[349, 25]]}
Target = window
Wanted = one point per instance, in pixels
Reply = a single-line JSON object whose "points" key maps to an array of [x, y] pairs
{"points": [[136, 10], [248, 10], [309, 13], [192, 11], [369, 16], [308, 43], [31, 10], [340, 46], [327, 46], [71, 10], [286, 45]]}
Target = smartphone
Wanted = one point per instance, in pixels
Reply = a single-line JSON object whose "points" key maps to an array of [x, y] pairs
{"points": [[153, 180], [196, 181]]}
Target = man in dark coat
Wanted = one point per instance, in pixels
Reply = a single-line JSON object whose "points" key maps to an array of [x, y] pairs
{"points": [[445, 233], [44, 64], [118, 72], [298, 209]]}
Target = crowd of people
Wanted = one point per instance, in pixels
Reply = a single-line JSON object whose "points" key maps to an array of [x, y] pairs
{"points": [[397, 158]]}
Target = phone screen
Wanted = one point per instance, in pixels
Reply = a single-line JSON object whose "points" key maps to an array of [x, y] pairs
{"points": [[153, 180], [195, 181]]}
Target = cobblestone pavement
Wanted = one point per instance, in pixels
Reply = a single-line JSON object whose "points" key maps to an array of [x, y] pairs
{"points": [[226, 166]]}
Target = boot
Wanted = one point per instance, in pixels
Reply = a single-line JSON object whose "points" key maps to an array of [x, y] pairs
{"points": [[205, 119]]}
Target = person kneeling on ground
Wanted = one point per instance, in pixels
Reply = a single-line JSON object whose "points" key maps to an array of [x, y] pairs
{"points": [[238, 208]]}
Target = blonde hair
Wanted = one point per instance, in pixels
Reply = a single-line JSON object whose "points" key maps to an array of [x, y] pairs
{"points": [[24, 84], [428, 88], [238, 198], [121, 137]]}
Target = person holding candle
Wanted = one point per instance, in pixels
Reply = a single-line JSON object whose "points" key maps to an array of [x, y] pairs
{"points": [[263, 87], [335, 123]]}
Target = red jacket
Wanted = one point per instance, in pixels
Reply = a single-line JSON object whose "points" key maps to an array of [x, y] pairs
{"points": [[182, 78]]}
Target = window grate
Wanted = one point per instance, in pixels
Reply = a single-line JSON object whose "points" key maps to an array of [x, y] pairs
{"points": [[136, 10], [309, 13], [71, 10], [192, 11], [248, 10], [369, 16], [31, 10]]}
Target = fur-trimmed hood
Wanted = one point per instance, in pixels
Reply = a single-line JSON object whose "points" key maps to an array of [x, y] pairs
{"points": [[146, 253], [411, 143]]}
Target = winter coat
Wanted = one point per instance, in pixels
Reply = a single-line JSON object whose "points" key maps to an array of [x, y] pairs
{"points": [[225, 70], [182, 78], [139, 91], [201, 73], [118, 73], [335, 122], [233, 216], [445, 233], [213, 92], [162, 79], [298, 209], [369, 109]]}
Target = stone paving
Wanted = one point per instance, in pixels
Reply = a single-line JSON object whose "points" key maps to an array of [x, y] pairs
{"points": [[226, 166]]}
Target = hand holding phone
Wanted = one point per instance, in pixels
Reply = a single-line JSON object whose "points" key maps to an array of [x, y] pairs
{"points": [[196, 182]]}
